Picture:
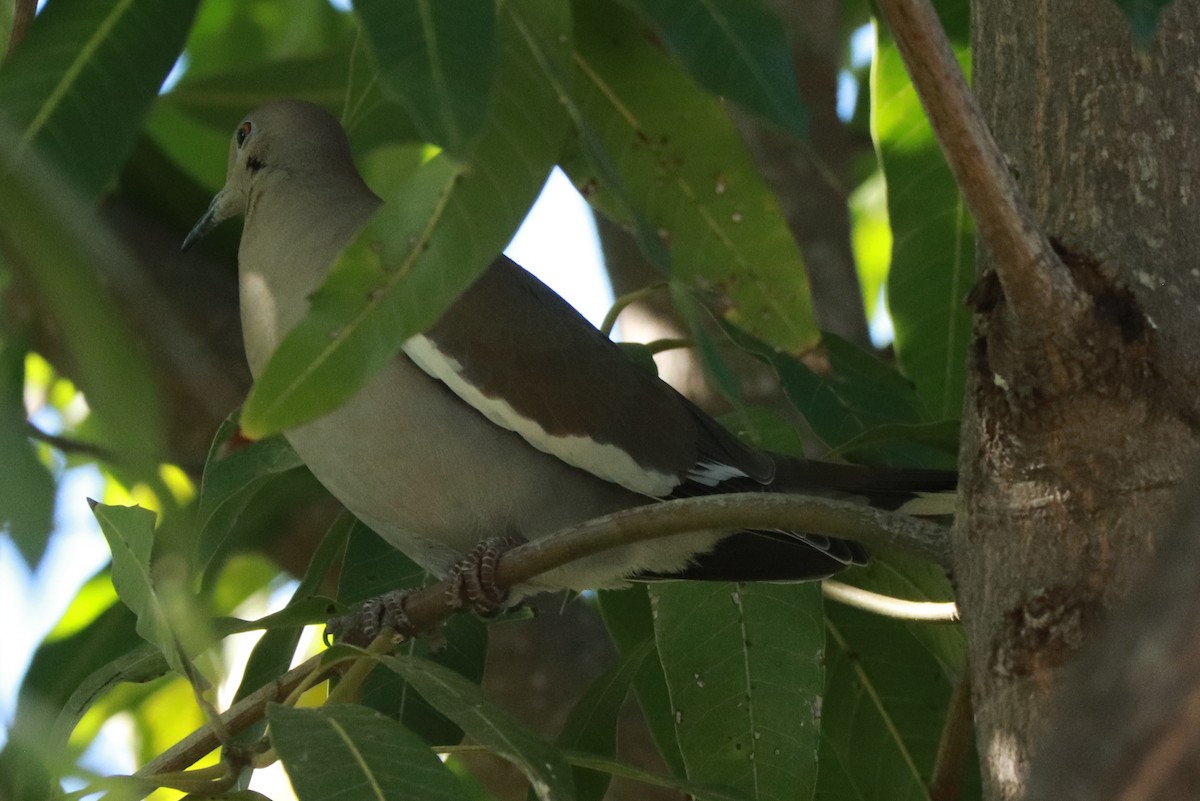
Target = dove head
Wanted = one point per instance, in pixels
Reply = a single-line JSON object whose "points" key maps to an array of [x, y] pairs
{"points": [[290, 140]]}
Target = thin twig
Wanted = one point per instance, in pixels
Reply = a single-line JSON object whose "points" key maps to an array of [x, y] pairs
{"points": [[68, 445], [1036, 283], [887, 606], [623, 302], [427, 608], [23, 12], [954, 746]]}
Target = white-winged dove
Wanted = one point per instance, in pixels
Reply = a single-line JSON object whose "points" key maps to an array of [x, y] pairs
{"points": [[512, 416]]}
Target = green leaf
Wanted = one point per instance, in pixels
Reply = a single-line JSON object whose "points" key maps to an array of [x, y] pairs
{"points": [[857, 394], [437, 60], [611, 767], [57, 251], [592, 723], [736, 49], [26, 486], [349, 751], [933, 250], [630, 623], [489, 725], [899, 575], [372, 567], [129, 531], [429, 241], [230, 483], [1143, 18], [682, 165], [79, 86], [273, 653], [884, 709], [744, 663]]}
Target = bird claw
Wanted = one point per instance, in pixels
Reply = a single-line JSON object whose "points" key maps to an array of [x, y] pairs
{"points": [[473, 578], [361, 627], [472, 586]]}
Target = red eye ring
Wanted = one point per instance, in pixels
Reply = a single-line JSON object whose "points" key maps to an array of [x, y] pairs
{"points": [[243, 131]]}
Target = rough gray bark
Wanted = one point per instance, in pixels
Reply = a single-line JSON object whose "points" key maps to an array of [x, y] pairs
{"points": [[1143, 673], [1075, 436]]}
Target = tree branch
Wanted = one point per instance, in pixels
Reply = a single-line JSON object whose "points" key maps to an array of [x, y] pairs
{"points": [[427, 607], [23, 13], [1036, 284]]}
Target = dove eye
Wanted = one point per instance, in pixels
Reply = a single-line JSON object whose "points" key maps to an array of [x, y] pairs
{"points": [[243, 132]]}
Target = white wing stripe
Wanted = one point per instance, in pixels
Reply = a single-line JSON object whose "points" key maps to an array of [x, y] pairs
{"points": [[600, 459]]}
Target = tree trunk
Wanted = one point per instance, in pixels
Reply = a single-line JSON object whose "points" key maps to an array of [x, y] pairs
{"points": [[1074, 443]]}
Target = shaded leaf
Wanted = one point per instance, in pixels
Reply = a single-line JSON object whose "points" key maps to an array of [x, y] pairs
{"points": [[372, 567], [57, 249], [701, 792], [489, 725], [592, 723], [884, 709], [737, 50], [437, 60], [345, 750], [630, 623], [745, 667], [81, 83], [26, 486], [231, 481]]}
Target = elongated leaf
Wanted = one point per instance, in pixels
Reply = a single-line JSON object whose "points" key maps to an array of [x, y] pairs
{"points": [[129, 531], [81, 83], [592, 723], [933, 250], [884, 710], [858, 404], [349, 751], [489, 725], [686, 172], [230, 482], [26, 486], [437, 59], [736, 49], [745, 665], [56, 248], [700, 792], [630, 623], [273, 653], [391, 284]]}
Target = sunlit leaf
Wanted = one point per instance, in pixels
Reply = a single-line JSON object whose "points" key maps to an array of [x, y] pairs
{"points": [[933, 250], [683, 167], [130, 534]]}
